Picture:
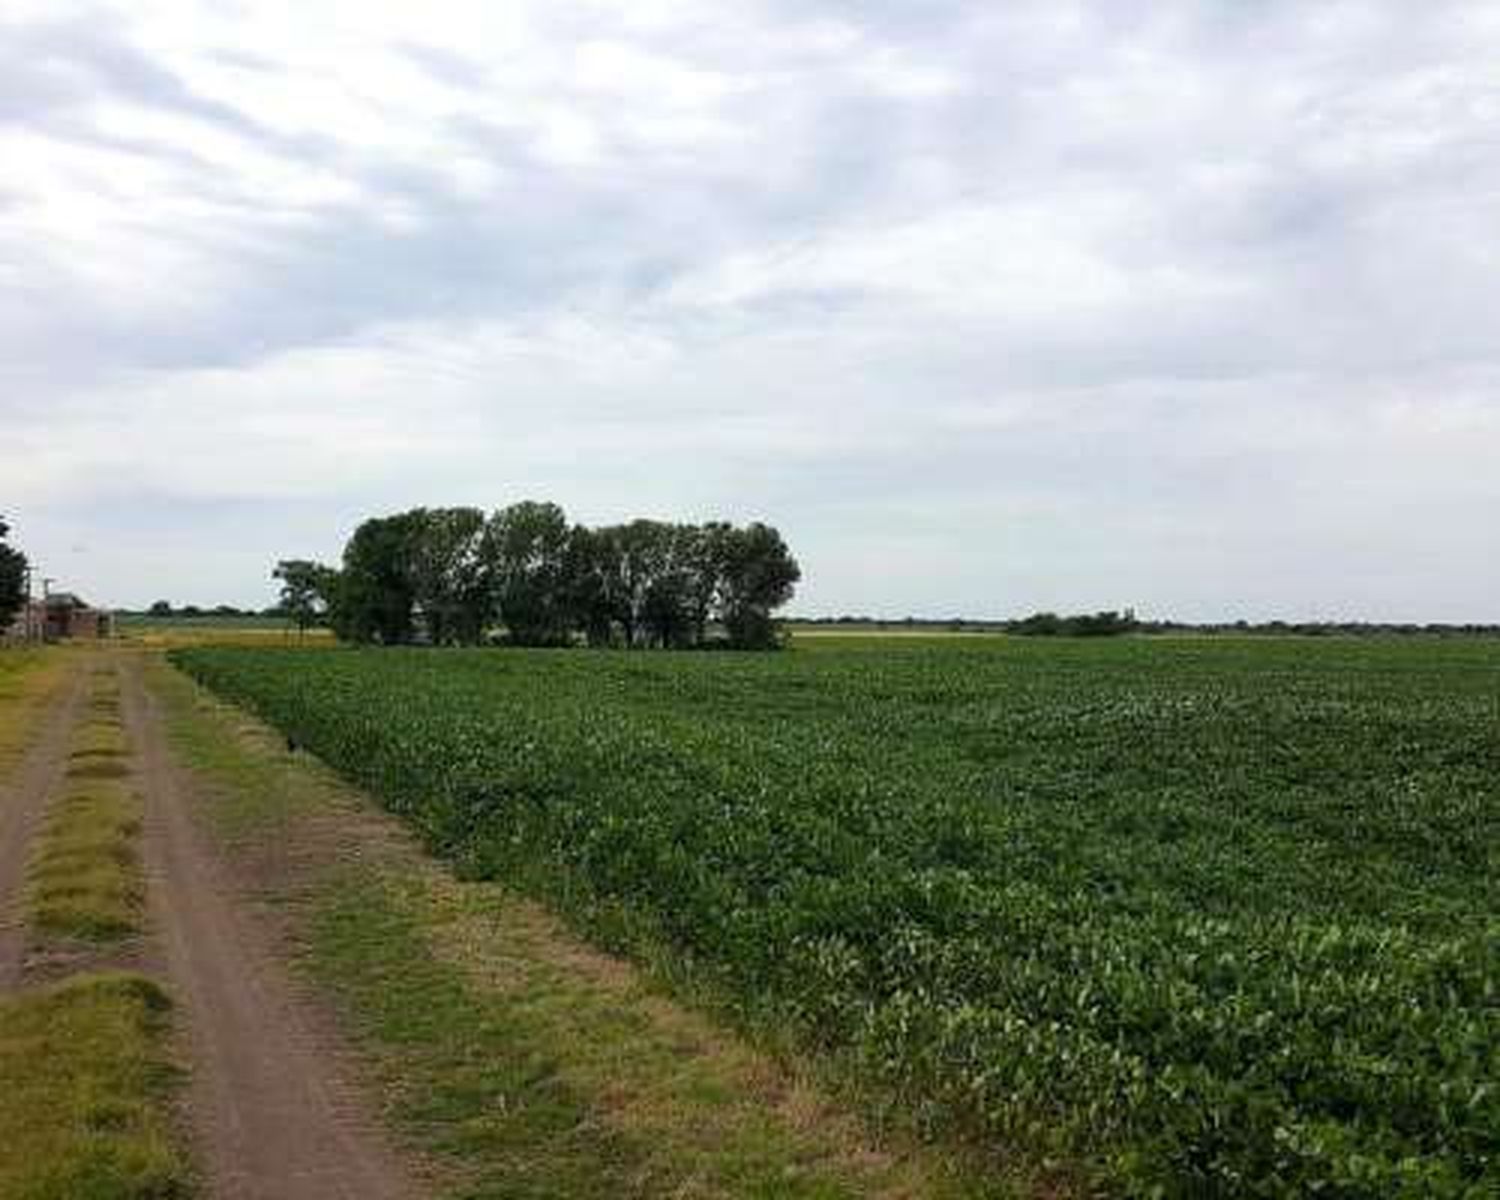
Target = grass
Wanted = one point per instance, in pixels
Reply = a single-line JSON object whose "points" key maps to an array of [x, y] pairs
{"points": [[98, 739], [85, 1101], [546, 1071], [1194, 917], [84, 877], [525, 1063], [28, 680]]}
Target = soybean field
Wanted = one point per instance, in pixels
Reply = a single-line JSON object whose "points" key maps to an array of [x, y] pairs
{"points": [[1174, 917]]}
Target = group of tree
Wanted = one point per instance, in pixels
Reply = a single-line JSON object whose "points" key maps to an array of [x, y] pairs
{"points": [[454, 576], [1099, 624], [165, 608], [12, 578], [1279, 628]]}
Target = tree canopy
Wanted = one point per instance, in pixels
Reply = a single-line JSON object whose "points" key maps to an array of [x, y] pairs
{"points": [[308, 590], [1100, 624], [451, 576], [12, 578]]}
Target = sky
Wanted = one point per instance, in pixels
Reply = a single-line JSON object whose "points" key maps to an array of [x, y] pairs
{"points": [[990, 308]]}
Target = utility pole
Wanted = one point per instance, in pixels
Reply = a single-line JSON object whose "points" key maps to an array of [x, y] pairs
{"points": [[26, 603], [31, 632], [31, 628], [47, 582]]}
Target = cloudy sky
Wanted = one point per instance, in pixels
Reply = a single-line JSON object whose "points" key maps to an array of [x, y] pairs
{"points": [[989, 307]]}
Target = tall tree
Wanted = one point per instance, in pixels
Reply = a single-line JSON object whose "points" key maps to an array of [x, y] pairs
{"points": [[12, 578], [377, 596], [680, 593], [526, 557], [308, 591], [756, 575], [699, 556], [644, 554], [594, 587], [448, 576]]}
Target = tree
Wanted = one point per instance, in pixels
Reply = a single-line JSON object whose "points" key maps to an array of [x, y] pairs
{"points": [[756, 574], [644, 554], [666, 614], [160, 608], [12, 579], [1103, 624], [685, 575], [448, 577], [377, 595], [699, 557], [1100, 624], [525, 554], [450, 572], [1040, 624], [308, 591], [593, 586]]}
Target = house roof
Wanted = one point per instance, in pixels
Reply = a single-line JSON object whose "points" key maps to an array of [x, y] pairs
{"points": [[65, 600]]}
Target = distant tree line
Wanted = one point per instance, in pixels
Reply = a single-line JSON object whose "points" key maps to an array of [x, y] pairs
{"points": [[1326, 628], [1048, 624], [1100, 624], [165, 609], [1042, 624], [454, 576]]}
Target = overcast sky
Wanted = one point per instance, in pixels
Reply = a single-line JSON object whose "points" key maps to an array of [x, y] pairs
{"points": [[989, 307]]}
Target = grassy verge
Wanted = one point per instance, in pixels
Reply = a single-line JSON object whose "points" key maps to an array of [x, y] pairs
{"points": [[528, 1064], [99, 739], [84, 1110], [85, 874], [28, 680], [547, 1070]]}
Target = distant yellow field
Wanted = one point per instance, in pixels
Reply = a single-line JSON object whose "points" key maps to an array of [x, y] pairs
{"points": [[171, 634]]}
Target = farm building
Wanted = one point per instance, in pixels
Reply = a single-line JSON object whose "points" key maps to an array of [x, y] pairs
{"points": [[68, 616]]}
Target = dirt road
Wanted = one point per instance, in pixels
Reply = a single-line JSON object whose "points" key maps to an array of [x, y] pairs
{"points": [[272, 1115], [21, 806]]}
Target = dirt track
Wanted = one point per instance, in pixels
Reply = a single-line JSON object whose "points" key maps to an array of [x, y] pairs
{"points": [[271, 1114], [21, 807]]}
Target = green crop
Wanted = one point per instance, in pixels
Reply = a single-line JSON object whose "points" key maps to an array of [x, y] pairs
{"points": [[1196, 917]]}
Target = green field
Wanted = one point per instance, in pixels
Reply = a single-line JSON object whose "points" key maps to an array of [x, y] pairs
{"points": [[1188, 917]]}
